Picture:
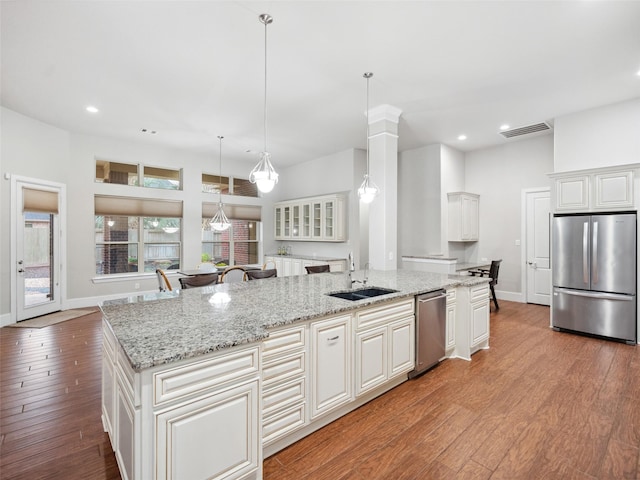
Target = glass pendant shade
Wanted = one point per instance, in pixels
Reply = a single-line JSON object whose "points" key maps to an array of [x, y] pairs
{"points": [[368, 190], [263, 174], [220, 222]]}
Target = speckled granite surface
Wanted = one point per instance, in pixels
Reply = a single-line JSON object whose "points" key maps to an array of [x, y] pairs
{"points": [[308, 257], [160, 328]]}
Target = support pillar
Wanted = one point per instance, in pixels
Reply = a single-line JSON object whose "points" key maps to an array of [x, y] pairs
{"points": [[383, 167]]}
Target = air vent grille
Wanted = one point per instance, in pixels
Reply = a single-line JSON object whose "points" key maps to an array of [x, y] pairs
{"points": [[516, 132]]}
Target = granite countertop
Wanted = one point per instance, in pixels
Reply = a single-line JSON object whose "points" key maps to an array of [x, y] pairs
{"points": [[307, 257], [164, 327], [430, 257]]}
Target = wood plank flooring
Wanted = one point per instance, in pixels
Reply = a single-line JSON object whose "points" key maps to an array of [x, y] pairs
{"points": [[537, 404]]}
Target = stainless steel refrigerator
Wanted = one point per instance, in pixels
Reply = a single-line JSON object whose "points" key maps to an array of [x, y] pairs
{"points": [[594, 274]]}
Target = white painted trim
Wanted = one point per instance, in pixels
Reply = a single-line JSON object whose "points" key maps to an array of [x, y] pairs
{"points": [[384, 112], [523, 237], [510, 296]]}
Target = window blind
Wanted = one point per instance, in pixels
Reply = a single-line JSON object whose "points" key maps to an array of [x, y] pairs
{"points": [[234, 212], [139, 207], [43, 201]]}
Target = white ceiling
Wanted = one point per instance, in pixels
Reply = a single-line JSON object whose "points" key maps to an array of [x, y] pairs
{"points": [[192, 70]]}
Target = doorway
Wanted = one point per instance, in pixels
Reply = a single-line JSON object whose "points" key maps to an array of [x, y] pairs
{"points": [[536, 251], [37, 225]]}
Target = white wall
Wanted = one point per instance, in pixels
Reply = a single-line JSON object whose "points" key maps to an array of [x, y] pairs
{"points": [[33, 149], [498, 175], [598, 137], [453, 180], [419, 213], [338, 173], [30, 149]]}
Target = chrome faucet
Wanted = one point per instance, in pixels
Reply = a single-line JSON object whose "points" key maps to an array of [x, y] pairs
{"points": [[366, 273]]}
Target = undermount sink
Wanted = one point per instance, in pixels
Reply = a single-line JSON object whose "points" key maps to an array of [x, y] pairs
{"points": [[362, 293]]}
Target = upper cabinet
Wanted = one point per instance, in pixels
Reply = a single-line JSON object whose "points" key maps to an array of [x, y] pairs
{"points": [[594, 190], [320, 219], [463, 216]]}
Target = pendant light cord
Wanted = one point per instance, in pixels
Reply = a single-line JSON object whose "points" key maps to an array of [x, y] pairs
{"points": [[220, 170], [265, 84], [367, 75]]}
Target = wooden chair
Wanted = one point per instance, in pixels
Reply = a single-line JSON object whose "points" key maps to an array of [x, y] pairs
{"points": [[258, 274], [199, 280], [233, 275], [492, 273], [163, 281], [318, 268]]}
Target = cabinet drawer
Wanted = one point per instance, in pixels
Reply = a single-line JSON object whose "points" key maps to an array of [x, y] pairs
{"points": [[451, 296], [275, 398], [384, 313], [479, 292], [283, 367], [198, 376], [281, 423], [283, 340]]}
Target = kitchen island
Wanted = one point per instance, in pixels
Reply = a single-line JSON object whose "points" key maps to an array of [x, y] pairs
{"points": [[200, 383]]}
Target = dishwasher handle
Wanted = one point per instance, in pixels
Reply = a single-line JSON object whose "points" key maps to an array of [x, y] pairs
{"points": [[428, 297]]}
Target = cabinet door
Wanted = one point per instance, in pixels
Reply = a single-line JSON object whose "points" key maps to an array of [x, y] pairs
{"points": [[371, 359], [479, 321], [572, 193], [469, 218], [126, 417], [286, 267], [316, 219], [286, 219], [108, 396], [306, 221], [295, 221], [296, 266], [277, 226], [329, 220], [451, 326], [613, 190], [401, 346], [330, 364], [213, 437]]}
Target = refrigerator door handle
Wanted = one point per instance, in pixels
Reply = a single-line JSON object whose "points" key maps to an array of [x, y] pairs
{"points": [[601, 295], [594, 260], [585, 252]]}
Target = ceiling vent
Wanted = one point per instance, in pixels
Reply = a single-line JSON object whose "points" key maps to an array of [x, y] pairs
{"points": [[517, 132]]}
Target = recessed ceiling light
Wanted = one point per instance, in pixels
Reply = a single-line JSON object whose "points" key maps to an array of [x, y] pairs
{"points": [[92, 109], [146, 130], [462, 137], [504, 127]]}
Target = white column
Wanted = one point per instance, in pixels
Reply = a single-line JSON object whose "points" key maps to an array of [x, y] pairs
{"points": [[383, 168]]}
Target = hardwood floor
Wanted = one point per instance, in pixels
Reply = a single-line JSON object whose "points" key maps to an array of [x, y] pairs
{"points": [[537, 404]]}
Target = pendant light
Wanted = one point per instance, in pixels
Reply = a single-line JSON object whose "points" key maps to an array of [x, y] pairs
{"points": [[368, 190], [220, 222], [263, 174]]}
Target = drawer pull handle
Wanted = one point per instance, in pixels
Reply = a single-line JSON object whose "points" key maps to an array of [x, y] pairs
{"points": [[333, 338]]}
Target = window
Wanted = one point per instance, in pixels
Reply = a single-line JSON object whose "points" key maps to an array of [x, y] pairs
{"points": [[120, 173], [137, 235], [228, 185], [161, 178], [129, 174], [237, 246]]}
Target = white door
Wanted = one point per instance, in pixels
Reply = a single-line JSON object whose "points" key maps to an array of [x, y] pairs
{"points": [[37, 230], [537, 266]]}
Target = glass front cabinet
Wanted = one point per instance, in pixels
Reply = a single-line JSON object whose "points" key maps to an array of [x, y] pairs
{"points": [[320, 219]]}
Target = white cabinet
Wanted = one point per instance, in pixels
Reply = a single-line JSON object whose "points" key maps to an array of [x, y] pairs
{"points": [[331, 364], [284, 388], [463, 217], [594, 190], [472, 320], [384, 344], [451, 321], [164, 422], [319, 219]]}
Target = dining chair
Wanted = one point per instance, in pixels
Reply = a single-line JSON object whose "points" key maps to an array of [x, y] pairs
{"points": [[258, 274], [492, 273], [269, 265], [233, 275], [318, 268], [199, 280], [163, 281]]}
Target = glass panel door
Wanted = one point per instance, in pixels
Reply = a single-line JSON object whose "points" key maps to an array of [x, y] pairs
{"points": [[328, 219], [295, 230], [317, 220], [306, 220]]}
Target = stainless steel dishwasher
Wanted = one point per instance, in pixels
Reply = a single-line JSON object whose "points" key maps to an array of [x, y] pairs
{"points": [[431, 320]]}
